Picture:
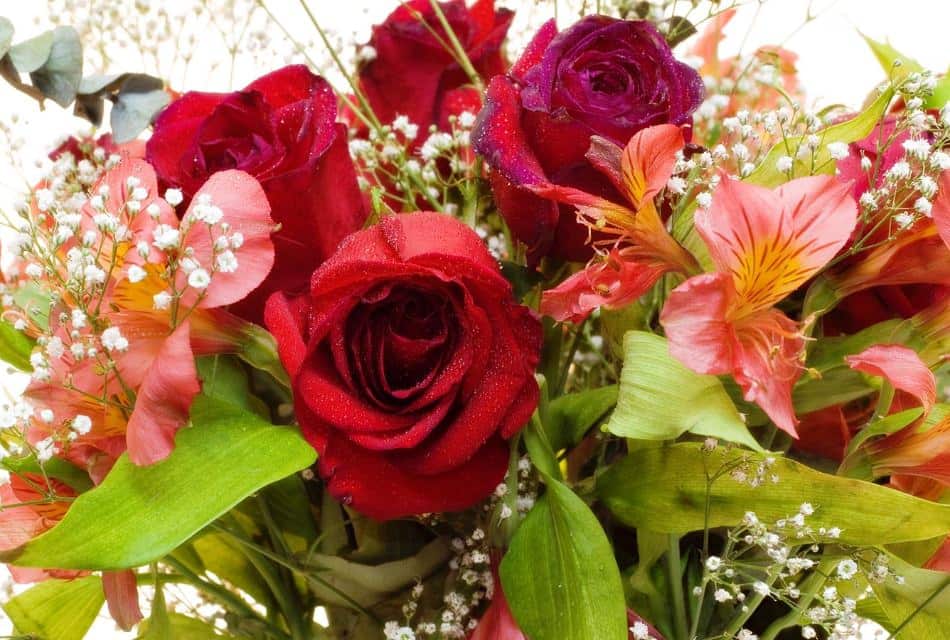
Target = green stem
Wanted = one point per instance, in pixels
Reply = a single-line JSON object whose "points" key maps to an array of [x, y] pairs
{"points": [[674, 568], [460, 55], [286, 601], [810, 588], [222, 594]]}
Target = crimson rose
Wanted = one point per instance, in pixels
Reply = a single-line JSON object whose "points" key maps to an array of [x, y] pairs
{"points": [[602, 76], [282, 130], [411, 365], [412, 73]]}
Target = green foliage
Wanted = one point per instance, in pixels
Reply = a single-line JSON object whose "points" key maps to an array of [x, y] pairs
{"points": [[559, 575], [660, 399], [665, 489], [570, 417], [15, 347], [139, 514], [57, 609], [856, 128], [53, 61]]}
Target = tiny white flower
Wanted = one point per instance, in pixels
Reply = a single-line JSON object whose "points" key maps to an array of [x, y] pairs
{"points": [[226, 262], [46, 415], [139, 193], [809, 633], [806, 509], [847, 569], [866, 163], [761, 588], [784, 164], [113, 340], [33, 270], [676, 185], [940, 160], [713, 563], [704, 199], [174, 197], [136, 274], [904, 220], [721, 595], [640, 631], [82, 424], [45, 449], [838, 150], [162, 300], [898, 171], [199, 279], [922, 205], [917, 148]]}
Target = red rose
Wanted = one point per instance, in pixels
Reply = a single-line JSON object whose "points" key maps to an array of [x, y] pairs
{"points": [[414, 75], [411, 365], [602, 76], [282, 130]]}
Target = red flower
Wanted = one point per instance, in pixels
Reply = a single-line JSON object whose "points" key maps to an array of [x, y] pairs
{"points": [[282, 130], [602, 76], [411, 365], [413, 74]]}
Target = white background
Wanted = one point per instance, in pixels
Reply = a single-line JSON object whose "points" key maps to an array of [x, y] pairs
{"points": [[834, 64]]}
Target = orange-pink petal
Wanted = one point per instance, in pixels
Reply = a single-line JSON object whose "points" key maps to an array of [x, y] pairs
{"points": [[122, 597], [247, 211], [163, 401], [646, 164], [695, 319], [614, 283], [901, 367]]}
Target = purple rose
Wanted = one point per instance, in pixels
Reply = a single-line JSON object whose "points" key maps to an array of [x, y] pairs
{"points": [[602, 76]]}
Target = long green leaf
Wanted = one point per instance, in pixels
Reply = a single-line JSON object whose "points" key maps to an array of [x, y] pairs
{"points": [[15, 347], [139, 514], [660, 399], [57, 609], [887, 55], [664, 489], [918, 609], [560, 576], [858, 127]]}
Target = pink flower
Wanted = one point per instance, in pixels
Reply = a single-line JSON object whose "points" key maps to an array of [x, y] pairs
{"points": [[765, 245], [902, 368], [640, 248]]}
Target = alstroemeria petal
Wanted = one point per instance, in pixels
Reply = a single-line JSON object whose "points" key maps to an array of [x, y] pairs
{"points": [[647, 162], [768, 362], [614, 283], [122, 596], [163, 401], [247, 211], [695, 320], [774, 241], [901, 367]]}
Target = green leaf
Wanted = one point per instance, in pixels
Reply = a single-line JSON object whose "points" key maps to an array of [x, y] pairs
{"points": [[887, 55], [15, 347], [54, 468], [57, 609], [30, 55], [560, 576], [941, 94], [539, 448], [6, 36], [223, 558], [138, 514], [664, 489], [223, 378], [138, 103], [858, 127], [59, 77], [660, 399], [918, 609], [178, 625], [571, 416]]}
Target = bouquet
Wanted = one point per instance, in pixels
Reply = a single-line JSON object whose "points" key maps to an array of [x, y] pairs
{"points": [[458, 334]]}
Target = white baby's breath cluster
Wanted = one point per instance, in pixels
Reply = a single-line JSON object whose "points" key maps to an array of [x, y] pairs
{"points": [[412, 167]]}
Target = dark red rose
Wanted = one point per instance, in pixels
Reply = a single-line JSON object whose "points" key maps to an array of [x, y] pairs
{"points": [[414, 75], [602, 77], [282, 130], [411, 365]]}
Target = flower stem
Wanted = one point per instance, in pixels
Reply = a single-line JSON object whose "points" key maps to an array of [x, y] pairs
{"points": [[674, 568], [460, 55], [810, 588]]}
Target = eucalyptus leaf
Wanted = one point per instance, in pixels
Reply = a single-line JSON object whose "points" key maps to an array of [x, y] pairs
{"points": [[6, 35], [661, 399], [559, 574], [57, 609], [665, 489], [30, 55], [134, 110], [139, 514], [59, 77]]}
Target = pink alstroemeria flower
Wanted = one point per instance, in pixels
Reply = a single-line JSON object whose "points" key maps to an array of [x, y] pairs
{"points": [[639, 249], [903, 369], [765, 245], [136, 387]]}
